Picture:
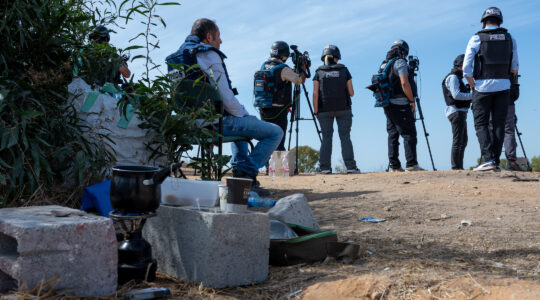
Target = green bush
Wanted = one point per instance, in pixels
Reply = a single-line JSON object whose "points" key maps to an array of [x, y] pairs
{"points": [[42, 143]]}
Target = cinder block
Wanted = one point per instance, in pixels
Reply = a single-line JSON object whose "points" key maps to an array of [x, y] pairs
{"points": [[214, 248], [294, 209], [39, 242]]}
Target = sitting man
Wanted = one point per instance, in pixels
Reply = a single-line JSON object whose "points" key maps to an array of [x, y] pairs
{"points": [[202, 47]]}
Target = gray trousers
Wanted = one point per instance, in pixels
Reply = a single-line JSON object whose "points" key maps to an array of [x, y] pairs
{"points": [[344, 122], [510, 143]]}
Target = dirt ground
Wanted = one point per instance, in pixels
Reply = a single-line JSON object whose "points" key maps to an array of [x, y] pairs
{"points": [[421, 251]]}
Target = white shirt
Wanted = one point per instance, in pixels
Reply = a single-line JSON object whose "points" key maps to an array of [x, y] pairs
{"points": [[212, 64]]}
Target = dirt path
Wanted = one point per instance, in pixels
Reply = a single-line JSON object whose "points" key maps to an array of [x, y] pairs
{"points": [[421, 251]]}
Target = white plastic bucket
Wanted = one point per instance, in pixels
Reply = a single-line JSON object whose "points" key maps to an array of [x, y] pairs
{"points": [[187, 192]]}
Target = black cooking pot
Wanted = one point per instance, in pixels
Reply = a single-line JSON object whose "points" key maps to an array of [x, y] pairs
{"points": [[137, 189]]}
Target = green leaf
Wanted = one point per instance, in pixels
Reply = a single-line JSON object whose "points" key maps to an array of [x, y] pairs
{"points": [[133, 47]]}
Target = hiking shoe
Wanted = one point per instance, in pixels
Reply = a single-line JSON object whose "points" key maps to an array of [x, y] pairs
{"points": [[400, 169], [414, 168], [353, 171], [325, 172], [487, 166], [513, 166]]}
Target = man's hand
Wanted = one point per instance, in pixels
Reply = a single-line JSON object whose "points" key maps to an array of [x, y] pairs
{"points": [[470, 80], [413, 106]]}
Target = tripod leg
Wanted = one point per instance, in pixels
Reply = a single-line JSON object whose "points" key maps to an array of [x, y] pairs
{"points": [[523, 148], [291, 126], [426, 134], [312, 114]]}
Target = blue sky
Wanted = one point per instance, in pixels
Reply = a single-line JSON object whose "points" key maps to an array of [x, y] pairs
{"points": [[436, 32]]}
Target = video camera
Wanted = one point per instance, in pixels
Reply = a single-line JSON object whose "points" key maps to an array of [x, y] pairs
{"points": [[414, 62], [301, 61]]}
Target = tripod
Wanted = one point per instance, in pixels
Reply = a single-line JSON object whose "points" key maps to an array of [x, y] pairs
{"points": [[426, 134], [295, 117], [522, 148]]}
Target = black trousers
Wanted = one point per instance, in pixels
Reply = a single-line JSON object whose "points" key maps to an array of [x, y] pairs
{"points": [[458, 120], [276, 115], [495, 105], [400, 121]]}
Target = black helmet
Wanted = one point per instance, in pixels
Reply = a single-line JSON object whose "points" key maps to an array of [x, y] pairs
{"points": [[331, 50], [492, 12], [401, 44], [279, 49], [458, 62], [100, 34]]}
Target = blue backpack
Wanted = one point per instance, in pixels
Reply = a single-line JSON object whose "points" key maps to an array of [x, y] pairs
{"points": [[380, 85], [264, 85]]}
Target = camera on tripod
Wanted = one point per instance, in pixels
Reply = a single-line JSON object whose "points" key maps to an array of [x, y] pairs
{"points": [[414, 62], [301, 61]]}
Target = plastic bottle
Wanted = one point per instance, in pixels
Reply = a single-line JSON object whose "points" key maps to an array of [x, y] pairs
{"points": [[272, 167], [256, 201], [285, 166]]}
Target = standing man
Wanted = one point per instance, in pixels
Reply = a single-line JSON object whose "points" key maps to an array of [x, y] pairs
{"points": [[458, 100], [400, 113], [282, 97], [202, 47], [490, 59]]}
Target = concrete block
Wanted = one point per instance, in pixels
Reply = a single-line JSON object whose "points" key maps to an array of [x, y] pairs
{"points": [[213, 248], [294, 209], [39, 242]]}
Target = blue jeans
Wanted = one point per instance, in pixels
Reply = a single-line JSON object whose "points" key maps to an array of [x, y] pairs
{"points": [[344, 122], [269, 136]]}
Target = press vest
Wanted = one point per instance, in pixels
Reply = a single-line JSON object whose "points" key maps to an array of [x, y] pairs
{"points": [[462, 88], [333, 93], [494, 58], [187, 55], [395, 83], [283, 95]]}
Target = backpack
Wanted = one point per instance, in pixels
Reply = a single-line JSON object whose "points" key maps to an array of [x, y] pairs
{"points": [[380, 85], [264, 85]]}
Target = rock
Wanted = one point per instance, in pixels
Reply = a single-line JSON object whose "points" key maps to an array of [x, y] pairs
{"points": [[39, 242], [214, 249], [294, 209]]}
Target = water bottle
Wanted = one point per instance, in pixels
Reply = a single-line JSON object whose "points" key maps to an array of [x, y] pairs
{"points": [[272, 167], [256, 201], [285, 166]]}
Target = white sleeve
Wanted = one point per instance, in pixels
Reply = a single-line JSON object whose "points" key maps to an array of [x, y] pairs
{"points": [[212, 64]]}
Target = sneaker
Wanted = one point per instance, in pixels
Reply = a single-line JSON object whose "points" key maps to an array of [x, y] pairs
{"points": [[353, 171], [414, 168], [497, 169], [487, 166], [400, 169], [325, 172], [513, 166]]}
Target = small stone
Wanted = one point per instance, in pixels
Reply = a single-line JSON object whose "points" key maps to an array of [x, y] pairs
{"points": [[396, 240], [388, 208], [477, 193], [418, 246], [418, 222]]}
